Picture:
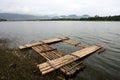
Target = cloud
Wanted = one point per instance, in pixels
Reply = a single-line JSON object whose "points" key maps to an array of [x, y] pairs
{"points": [[24, 10], [61, 7]]}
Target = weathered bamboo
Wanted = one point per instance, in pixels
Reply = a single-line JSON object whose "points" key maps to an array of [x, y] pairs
{"points": [[42, 42], [49, 53], [46, 68]]}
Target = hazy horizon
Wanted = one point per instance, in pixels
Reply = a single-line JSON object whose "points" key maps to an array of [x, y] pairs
{"points": [[61, 7]]}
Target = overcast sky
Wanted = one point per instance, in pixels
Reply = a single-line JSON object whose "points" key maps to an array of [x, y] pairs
{"points": [[61, 7]]}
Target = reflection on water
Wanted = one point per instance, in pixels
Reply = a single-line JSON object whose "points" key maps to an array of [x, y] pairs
{"points": [[99, 67]]}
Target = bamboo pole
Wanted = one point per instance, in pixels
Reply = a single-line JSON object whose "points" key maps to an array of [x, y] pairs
{"points": [[42, 42]]}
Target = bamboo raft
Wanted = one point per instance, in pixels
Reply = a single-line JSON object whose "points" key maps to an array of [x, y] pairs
{"points": [[68, 64]]}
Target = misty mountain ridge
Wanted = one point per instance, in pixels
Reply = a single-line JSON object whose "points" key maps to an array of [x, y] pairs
{"points": [[15, 16]]}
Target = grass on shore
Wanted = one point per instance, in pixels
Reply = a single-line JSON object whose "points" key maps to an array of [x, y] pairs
{"points": [[21, 65]]}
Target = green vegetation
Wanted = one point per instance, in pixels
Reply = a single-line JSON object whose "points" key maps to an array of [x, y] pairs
{"points": [[107, 18], [3, 19]]}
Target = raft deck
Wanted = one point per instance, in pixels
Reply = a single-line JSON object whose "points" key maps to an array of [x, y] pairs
{"points": [[68, 64]]}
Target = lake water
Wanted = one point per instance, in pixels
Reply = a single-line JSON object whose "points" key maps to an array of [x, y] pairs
{"points": [[104, 66]]}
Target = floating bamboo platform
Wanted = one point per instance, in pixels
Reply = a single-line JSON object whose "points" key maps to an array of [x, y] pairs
{"points": [[68, 64]]}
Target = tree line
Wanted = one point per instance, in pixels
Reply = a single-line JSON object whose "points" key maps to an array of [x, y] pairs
{"points": [[3, 19], [95, 18], [106, 18]]}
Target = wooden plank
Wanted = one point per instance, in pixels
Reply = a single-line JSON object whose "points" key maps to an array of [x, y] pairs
{"points": [[46, 68], [41, 42]]}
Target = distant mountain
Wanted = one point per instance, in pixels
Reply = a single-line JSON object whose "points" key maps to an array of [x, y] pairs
{"points": [[14, 16]]}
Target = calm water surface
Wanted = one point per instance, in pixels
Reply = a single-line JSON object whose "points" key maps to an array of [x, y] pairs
{"points": [[105, 66]]}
